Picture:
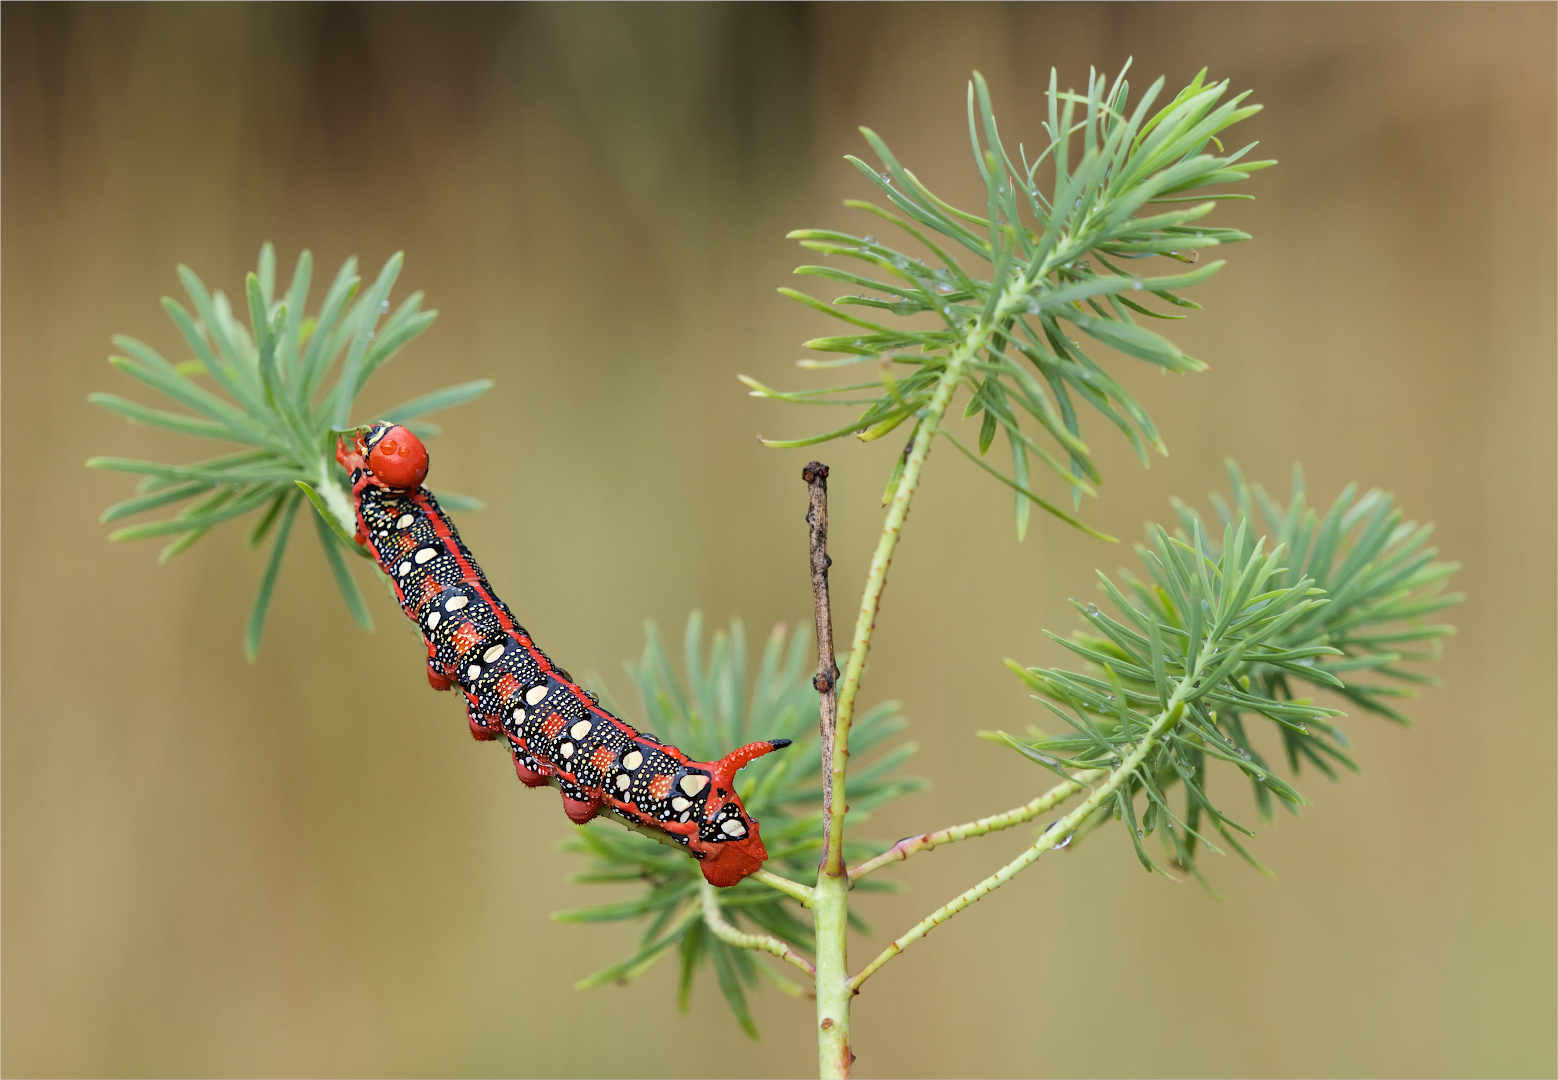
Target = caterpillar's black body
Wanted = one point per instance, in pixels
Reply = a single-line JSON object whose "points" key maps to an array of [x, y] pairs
{"points": [[557, 733]]}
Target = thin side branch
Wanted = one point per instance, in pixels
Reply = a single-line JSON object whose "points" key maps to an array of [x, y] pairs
{"points": [[793, 889], [913, 845], [1053, 836], [715, 921], [826, 680]]}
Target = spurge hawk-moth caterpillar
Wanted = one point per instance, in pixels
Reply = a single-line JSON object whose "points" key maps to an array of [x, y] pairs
{"points": [[556, 731]]}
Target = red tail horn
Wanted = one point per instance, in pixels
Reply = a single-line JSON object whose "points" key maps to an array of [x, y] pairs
{"points": [[725, 768]]}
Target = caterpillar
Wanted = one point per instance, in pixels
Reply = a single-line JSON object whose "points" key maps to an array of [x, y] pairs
{"points": [[556, 731]]}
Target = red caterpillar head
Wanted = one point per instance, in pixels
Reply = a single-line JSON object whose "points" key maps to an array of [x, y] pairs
{"points": [[740, 849], [392, 455]]}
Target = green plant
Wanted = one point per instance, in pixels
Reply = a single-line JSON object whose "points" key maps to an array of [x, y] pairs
{"points": [[1218, 633], [1226, 628], [273, 373]]}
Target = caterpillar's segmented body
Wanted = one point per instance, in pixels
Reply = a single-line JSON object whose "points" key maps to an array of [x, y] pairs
{"points": [[556, 732]]}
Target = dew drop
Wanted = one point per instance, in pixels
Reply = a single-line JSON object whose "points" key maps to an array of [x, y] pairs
{"points": [[383, 306], [870, 239], [1136, 284]]}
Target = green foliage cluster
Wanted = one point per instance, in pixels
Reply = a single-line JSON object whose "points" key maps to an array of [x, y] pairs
{"points": [[1042, 266], [264, 385], [1225, 634], [706, 714], [1232, 633]]}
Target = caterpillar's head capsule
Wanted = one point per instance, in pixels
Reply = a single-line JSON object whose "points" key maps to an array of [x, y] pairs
{"points": [[395, 456]]}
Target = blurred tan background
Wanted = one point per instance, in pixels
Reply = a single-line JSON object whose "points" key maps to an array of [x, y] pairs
{"points": [[305, 866]]}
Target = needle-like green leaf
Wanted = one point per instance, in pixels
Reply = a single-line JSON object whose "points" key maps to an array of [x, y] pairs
{"points": [[256, 627]]}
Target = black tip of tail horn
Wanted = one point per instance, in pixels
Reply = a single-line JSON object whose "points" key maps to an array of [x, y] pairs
{"points": [[778, 744]]}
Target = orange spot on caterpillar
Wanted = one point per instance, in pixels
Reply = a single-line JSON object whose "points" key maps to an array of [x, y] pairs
{"points": [[431, 589], [466, 638], [554, 725], [660, 786], [508, 687], [601, 760]]}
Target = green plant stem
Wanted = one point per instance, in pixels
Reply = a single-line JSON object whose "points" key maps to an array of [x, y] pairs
{"points": [[1052, 836], [871, 600], [830, 899], [913, 845], [793, 889], [715, 921], [830, 913]]}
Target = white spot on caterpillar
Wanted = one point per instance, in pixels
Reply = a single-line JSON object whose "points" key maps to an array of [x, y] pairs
{"points": [[405, 568], [685, 815], [404, 522], [580, 730], [679, 804], [624, 781], [424, 555], [632, 760], [455, 603], [492, 654], [734, 828], [473, 672], [534, 695], [519, 716], [433, 620], [694, 783], [566, 749]]}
